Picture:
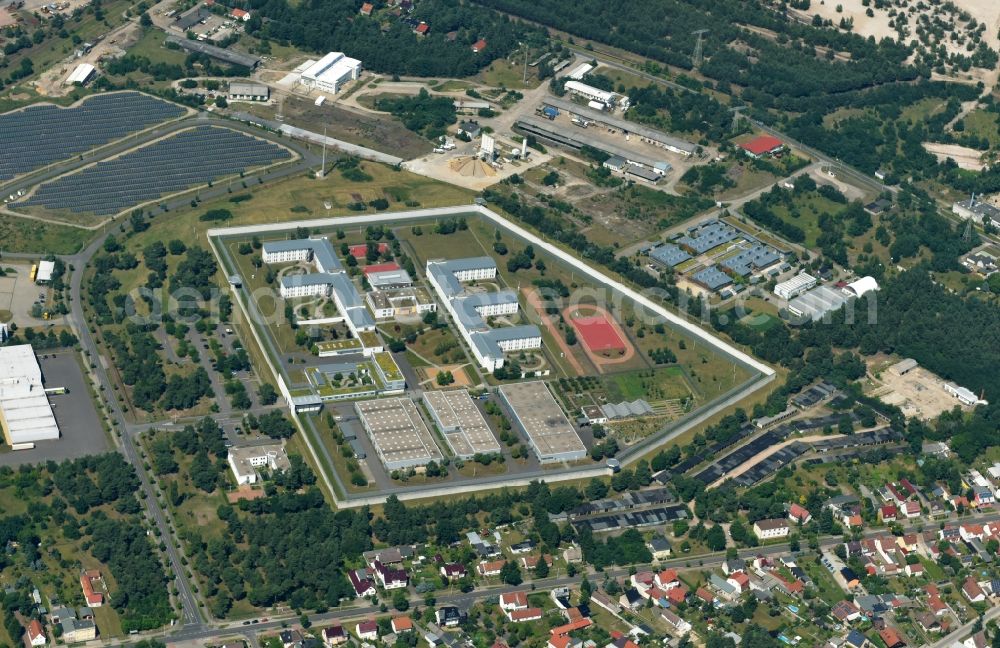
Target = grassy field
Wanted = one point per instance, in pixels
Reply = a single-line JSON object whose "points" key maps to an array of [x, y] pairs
{"points": [[383, 133], [805, 214], [981, 123], [35, 237], [504, 74]]}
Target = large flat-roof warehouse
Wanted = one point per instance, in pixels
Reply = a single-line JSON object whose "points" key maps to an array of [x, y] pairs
{"points": [[400, 436], [25, 413], [462, 424], [537, 412]]}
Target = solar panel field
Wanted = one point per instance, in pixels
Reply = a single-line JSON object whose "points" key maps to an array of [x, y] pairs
{"points": [[39, 135], [184, 160]]}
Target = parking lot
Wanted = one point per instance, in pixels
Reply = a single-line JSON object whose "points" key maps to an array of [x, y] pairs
{"points": [[79, 425]]}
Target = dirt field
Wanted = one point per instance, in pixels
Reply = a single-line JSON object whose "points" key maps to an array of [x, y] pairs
{"points": [[457, 371], [381, 133], [6, 17], [965, 158], [52, 82], [917, 393]]}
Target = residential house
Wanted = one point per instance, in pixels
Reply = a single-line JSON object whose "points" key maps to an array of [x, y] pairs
{"points": [[448, 616], [491, 568], [36, 634], [453, 570], [705, 595], [733, 565], [799, 514], [401, 624], [891, 638], [845, 611], [88, 579], [911, 509], [631, 599], [916, 569], [659, 547], [290, 638], [972, 590], [723, 587], [362, 585], [522, 547], [334, 635], [527, 614], [367, 630], [479, 46], [367, 8], [855, 639], [929, 622], [76, 630], [770, 529], [422, 29], [676, 595], [888, 513], [739, 580], [679, 625], [667, 579], [513, 601]]}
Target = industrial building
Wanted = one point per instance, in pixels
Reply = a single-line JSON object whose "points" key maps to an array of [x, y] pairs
{"points": [[468, 310], [82, 74], [331, 72], [25, 413], [245, 461], [965, 396], [758, 258], [579, 138], [329, 280], [462, 424], [400, 436], [644, 133], [711, 278], [611, 100], [241, 91], [764, 145], [819, 301], [795, 286], [218, 53], [668, 255], [536, 411], [706, 236], [45, 271], [978, 211]]}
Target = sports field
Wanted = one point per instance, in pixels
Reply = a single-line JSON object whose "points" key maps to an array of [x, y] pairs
{"points": [[599, 334]]}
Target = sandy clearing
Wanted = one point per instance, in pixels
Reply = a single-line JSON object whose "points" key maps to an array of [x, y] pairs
{"points": [[984, 11], [965, 158]]}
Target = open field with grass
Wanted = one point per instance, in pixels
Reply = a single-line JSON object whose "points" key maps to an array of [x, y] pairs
{"points": [[37, 237], [380, 132]]}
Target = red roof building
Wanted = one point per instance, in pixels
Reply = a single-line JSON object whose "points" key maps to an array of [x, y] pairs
{"points": [[36, 634], [421, 29], [799, 514], [530, 614], [762, 145], [402, 624], [579, 624], [676, 595], [239, 14], [479, 46], [891, 638], [367, 8], [381, 267], [87, 580]]}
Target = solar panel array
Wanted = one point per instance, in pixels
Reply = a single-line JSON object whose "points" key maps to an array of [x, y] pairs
{"points": [[187, 159], [40, 135]]}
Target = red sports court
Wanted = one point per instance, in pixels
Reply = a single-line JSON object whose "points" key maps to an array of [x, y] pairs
{"points": [[599, 334]]}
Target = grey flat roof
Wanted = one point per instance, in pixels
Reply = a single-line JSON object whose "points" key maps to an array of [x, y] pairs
{"points": [[538, 413], [460, 421], [224, 55], [311, 279], [708, 235], [817, 302], [712, 278], [578, 138], [759, 256], [669, 255], [398, 432], [643, 172], [389, 278], [254, 89], [631, 127]]}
